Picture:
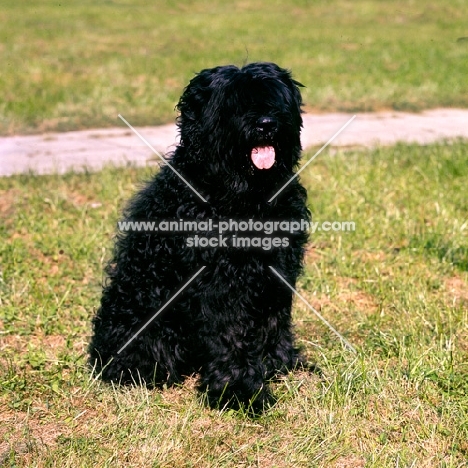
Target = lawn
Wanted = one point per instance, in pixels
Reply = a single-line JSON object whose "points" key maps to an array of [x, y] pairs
{"points": [[396, 288], [77, 64]]}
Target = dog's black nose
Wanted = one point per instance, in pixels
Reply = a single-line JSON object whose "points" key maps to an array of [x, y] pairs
{"points": [[267, 124]]}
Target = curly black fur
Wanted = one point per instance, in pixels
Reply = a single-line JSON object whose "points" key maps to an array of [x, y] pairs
{"points": [[232, 325]]}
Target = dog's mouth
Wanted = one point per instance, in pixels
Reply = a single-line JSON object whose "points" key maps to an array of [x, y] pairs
{"points": [[263, 157]]}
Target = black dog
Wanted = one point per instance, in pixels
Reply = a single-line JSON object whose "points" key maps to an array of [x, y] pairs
{"points": [[239, 144]]}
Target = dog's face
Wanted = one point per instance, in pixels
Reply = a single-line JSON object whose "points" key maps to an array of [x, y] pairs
{"points": [[245, 121]]}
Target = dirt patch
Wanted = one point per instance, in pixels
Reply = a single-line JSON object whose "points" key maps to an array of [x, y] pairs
{"points": [[347, 294], [51, 345], [313, 254], [79, 200], [457, 289], [350, 294], [349, 462], [24, 435], [370, 256], [8, 201]]}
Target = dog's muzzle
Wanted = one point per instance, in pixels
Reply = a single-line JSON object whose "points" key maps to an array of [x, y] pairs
{"points": [[263, 156]]}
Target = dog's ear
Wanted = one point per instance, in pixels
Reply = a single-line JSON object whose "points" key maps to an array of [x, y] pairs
{"points": [[196, 95], [294, 86], [199, 91], [191, 104], [295, 89], [196, 98]]}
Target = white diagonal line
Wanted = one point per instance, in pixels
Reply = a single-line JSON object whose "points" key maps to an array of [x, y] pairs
{"points": [[160, 157], [342, 338], [161, 309], [312, 158]]}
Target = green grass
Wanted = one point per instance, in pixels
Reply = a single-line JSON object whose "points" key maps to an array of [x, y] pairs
{"points": [[396, 287], [77, 64]]}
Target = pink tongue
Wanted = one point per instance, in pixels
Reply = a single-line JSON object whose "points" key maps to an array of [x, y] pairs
{"points": [[263, 157]]}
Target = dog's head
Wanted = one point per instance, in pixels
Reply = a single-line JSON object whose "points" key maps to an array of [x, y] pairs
{"points": [[245, 121]]}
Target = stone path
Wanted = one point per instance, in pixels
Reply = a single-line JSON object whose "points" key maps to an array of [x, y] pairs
{"points": [[92, 149]]}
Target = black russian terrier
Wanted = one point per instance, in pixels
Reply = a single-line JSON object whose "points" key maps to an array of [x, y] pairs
{"points": [[239, 145]]}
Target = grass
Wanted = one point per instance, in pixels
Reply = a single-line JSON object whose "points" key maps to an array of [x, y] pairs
{"points": [[396, 287], [77, 64]]}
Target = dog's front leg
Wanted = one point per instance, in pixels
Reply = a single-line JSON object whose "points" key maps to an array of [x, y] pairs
{"points": [[233, 373]]}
